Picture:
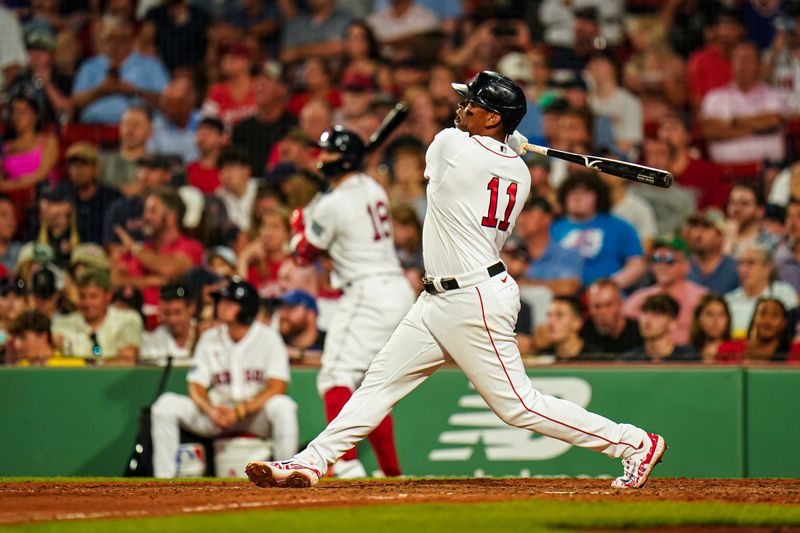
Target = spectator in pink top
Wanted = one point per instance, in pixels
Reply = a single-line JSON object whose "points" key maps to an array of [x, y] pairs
{"points": [[166, 253], [670, 266], [29, 155], [743, 120]]}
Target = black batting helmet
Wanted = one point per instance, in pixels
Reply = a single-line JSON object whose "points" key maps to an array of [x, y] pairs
{"points": [[496, 93], [348, 144], [239, 291]]}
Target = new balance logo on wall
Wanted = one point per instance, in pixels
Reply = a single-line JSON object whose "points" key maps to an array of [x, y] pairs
{"points": [[500, 441]]}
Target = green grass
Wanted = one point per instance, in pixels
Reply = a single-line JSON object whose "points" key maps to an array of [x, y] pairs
{"points": [[517, 516]]}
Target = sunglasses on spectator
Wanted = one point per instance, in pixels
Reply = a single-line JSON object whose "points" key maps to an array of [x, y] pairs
{"points": [[667, 258], [96, 350]]}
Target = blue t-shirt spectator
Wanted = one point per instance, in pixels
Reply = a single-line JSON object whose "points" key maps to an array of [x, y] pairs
{"points": [[605, 242], [168, 139], [724, 279], [144, 73], [557, 262]]}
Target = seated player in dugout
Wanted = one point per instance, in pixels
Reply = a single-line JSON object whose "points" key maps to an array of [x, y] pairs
{"points": [[237, 384]]}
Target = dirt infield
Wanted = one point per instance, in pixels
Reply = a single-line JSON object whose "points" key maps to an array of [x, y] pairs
{"points": [[33, 501]]}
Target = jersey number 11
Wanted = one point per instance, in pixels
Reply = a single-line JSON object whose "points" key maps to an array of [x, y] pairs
{"points": [[490, 220]]}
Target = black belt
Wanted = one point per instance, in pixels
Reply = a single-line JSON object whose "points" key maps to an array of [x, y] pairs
{"points": [[450, 284]]}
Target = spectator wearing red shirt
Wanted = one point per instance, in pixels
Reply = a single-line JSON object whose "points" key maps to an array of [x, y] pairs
{"points": [[767, 338], [318, 84], [690, 171], [232, 100], [710, 67], [261, 260], [165, 254], [204, 173]]}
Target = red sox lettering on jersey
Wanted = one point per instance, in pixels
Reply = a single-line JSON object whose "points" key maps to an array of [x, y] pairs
{"points": [[235, 372]]}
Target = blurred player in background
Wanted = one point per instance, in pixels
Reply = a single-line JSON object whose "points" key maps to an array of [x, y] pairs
{"points": [[352, 223]]}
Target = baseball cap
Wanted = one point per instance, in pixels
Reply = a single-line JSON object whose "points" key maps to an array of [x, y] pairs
{"points": [[40, 39], [92, 277], [36, 252], [516, 66], [82, 151], [710, 217], [176, 291], [299, 297], [43, 283], [56, 192], [223, 252], [676, 244], [89, 254], [155, 161], [13, 285]]}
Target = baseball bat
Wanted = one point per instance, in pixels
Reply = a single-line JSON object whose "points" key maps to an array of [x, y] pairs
{"points": [[628, 171], [390, 122]]}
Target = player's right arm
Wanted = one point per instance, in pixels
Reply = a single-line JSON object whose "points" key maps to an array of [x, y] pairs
{"points": [[303, 252], [314, 230]]}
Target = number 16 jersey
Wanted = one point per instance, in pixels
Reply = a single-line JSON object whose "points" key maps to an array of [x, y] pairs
{"points": [[353, 223], [477, 187]]}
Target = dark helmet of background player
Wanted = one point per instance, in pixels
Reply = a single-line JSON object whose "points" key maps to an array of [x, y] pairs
{"points": [[497, 93], [348, 144], [239, 291]]}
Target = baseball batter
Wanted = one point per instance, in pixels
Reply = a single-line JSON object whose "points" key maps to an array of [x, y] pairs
{"points": [[477, 185], [237, 384], [352, 223]]}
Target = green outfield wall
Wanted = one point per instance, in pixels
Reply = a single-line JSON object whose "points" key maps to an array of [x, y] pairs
{"points": [[718, 422]]}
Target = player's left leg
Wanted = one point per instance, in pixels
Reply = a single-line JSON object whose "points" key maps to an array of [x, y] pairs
{"points": [[278, 420], [410, 356], [371, 310], [485, 349]]}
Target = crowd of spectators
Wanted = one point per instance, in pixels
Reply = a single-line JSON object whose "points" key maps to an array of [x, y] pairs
{"points": [[151, 149]]}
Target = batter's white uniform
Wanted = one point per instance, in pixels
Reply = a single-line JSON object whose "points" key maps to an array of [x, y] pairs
{"points": [[232, 372], [353, 223], [476, 189]]}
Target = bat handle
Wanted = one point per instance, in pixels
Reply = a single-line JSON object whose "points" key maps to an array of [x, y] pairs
{"points": [[527, 147]]}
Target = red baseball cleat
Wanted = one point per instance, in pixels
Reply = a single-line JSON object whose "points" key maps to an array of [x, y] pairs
{"points": [[639, 465]]}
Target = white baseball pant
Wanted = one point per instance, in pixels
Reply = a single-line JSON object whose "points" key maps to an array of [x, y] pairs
{"points": [[475, 326], [368, 313], [171, 412]]}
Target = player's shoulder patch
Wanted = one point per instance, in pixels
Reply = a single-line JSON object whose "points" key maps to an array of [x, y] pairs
{"points": [[317, 229]]}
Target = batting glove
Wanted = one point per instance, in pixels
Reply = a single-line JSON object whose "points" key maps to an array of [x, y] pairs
{"points": [[517, 142]]}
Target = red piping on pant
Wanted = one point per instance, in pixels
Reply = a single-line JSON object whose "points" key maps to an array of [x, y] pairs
{"points": [[486, 325]]}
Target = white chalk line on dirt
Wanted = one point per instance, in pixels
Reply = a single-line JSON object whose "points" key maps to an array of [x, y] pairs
{"points": [[193, 509]]}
